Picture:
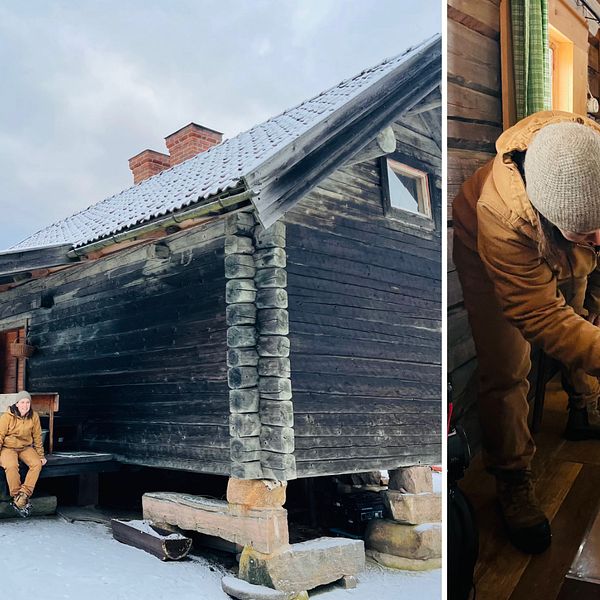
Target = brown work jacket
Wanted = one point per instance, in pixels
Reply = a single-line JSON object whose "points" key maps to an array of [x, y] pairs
{"points": [[547, 302], [17, 432]]}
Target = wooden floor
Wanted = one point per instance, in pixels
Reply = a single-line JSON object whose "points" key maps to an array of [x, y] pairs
{"points": [[568, 485]]}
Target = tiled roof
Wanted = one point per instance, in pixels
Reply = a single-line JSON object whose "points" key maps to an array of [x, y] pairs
{"points": [[218, 169]]}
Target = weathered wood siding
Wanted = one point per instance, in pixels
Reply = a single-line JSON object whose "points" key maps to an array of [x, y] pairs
{"points": [[364, 307], [136, 347], [474, 123]]}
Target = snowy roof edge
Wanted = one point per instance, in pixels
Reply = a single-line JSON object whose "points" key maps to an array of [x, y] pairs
{"points": [[263, 167]]}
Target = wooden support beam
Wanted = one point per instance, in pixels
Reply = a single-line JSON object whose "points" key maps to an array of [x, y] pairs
{"points": [[87, 489], [161, 543], [18, 262], [275, 388], [271, 298], [273, 237], [241, 314], [432, 101], [239, 266], [273, 321], [383, 144], [240, 290], [242, 357], [273, 345], [266, 529], [271, 278], [244, 424], [244, 400], [270, 257]]}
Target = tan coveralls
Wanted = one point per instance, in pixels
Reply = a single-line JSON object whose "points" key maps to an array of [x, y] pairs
{"points": [[21, 439], [514, 297]]}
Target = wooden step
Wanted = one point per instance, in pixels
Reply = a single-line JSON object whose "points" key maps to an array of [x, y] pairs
{"points": [[583, 578]]}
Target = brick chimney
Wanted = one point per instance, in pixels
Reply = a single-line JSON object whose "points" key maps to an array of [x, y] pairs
{"points": [[191, 140], [183, 144], [148, 163]]}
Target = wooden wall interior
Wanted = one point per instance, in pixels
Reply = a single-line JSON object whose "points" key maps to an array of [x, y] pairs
{"points": [[365, 330], [136, 348], [12, 370], [474, 123]]}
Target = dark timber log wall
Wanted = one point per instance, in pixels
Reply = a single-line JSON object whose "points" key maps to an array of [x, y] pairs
{"points": [[365, 317], [136, 348], [474, 124]]}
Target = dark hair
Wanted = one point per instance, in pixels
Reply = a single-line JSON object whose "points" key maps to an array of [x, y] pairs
{"points": [[552, 245], [15, 411]]}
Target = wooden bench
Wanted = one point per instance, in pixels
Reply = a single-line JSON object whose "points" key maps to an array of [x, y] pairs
{"points": [[44, 403]]}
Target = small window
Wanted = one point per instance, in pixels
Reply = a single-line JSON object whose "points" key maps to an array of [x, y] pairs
{"points": [[406, 189]]}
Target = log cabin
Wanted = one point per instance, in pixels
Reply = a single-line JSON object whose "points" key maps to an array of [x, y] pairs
{"points": [[264, 307]]}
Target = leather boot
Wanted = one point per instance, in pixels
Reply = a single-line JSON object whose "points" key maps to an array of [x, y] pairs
{"points": [[583, 422], [526, 524]]}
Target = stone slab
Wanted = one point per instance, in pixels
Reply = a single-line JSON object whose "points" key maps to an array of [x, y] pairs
{"points": [[419, 542], [242, 590], [265, 529], [411, 480], [257, 493], [413, 508], [304, 566], [404, 564]]}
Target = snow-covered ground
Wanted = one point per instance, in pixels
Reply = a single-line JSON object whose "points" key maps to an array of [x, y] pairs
{"points": [[54, 559]]}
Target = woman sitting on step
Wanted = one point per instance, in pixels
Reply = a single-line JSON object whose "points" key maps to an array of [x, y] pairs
{"points": [[21, 440]]}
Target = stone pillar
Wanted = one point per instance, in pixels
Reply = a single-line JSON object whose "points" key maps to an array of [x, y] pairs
{"points": [[411, 535]]}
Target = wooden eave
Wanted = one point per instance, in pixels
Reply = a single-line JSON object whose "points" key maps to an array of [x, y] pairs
{"points": [[295, 170], [23, 261]]}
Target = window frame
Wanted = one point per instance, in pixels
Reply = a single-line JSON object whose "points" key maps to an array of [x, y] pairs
{"points": [[420, 220]]}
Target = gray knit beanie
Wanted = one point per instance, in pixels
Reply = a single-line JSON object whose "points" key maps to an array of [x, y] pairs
{"points": [[562, 171], [23, 395]]}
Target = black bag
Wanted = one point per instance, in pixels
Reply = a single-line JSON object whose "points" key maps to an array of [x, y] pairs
{"points": [[463, 534], [463, 544]]}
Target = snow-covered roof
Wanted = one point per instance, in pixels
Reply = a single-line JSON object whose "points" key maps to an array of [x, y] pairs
{"points": [[220, 168]]}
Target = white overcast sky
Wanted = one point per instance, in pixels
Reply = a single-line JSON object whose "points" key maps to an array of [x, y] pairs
{"points": [[86, 85]]}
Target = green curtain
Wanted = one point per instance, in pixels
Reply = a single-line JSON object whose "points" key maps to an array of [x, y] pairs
{"points": [[531, 56]]}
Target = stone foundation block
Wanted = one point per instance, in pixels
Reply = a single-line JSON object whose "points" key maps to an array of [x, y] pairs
{"points": [[419, 542], [404, 564], [413, 508], [412, 480], [242, 590], [303, 566], [256, 493], [265, 528], [348, 582]]}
